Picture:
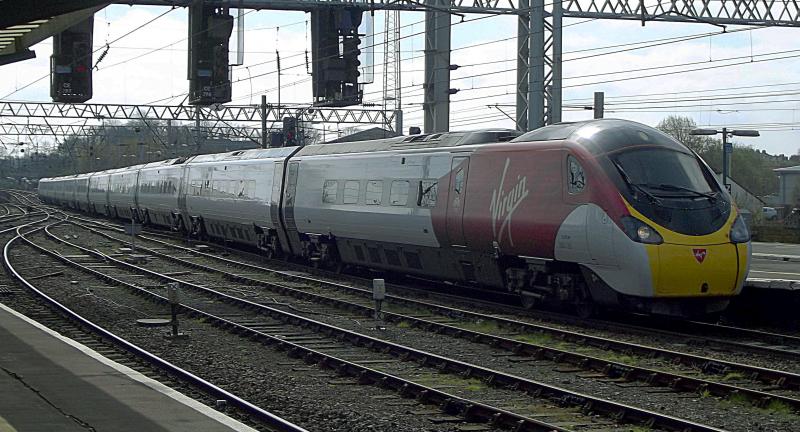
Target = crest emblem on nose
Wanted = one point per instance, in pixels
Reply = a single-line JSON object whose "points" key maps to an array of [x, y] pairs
{"points": [[700, 255]]}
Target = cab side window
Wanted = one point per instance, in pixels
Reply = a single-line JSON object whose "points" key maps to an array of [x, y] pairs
{"points": [[576, 178]]}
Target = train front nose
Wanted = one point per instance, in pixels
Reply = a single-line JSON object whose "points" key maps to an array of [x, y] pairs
{"points": [[701, 269]]}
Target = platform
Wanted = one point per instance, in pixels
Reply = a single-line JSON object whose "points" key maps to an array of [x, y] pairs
{"points": [[775, 265], [52, 383]]}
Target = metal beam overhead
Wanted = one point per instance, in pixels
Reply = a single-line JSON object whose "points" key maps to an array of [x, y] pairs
{"points": [[249, 133], [452, 6], [733, 12], [224, 113]]}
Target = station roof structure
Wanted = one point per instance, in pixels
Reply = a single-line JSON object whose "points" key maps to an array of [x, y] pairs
{"points": [[25, 23]]}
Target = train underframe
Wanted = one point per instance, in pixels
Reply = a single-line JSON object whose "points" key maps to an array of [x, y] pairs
{"points": [[539, 283]]}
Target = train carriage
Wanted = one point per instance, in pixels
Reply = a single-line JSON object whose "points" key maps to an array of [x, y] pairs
{"points": [[97, 195], [578, 215], [80, 189], [122, 192], [157, 192], [371, 203], [242, 180]]}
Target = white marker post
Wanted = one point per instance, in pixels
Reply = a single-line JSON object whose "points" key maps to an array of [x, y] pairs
{"points": [[378, 294]]}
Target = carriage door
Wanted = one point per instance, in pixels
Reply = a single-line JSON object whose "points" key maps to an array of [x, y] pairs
{"points": [[289, 195], [456, 198], [183, 189], [275, 207]]}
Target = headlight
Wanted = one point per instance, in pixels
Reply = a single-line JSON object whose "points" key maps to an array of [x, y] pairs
{"points": [[739, 232], [639, 231]]}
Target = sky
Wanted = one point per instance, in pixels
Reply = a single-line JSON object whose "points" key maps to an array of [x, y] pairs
{"points": [[751, 78]]}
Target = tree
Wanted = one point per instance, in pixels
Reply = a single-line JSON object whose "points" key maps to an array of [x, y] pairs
{"points": [[750, 168], [680, 128]]}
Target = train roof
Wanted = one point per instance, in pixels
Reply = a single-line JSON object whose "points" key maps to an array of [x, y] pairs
{"points": [[603, 135], [422, 141], [270, 153]]}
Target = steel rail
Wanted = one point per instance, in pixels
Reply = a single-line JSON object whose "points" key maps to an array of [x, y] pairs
{"points": [[263, 415], [610, 368], [708, 364], [776, 377], [728, 331], [470, 410], [610, 409], [732, 331]]}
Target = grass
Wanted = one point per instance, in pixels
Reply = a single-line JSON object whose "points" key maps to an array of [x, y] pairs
{"points": [[481, 326], [621, 358], [535, 338], [779, 407], [738, 398], [469, 384], [733, 376], [404, 325], [705, 394], [633, 428]]}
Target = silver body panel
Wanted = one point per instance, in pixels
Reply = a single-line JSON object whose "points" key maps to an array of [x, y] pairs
{"points": [[157, 191], [350, 213]]}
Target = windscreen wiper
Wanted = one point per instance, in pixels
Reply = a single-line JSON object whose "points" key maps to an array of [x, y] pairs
{"points": [[669, 187], [635, 186]]}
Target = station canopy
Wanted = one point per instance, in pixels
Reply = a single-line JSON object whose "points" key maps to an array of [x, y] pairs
{"points": [[24, 23]]}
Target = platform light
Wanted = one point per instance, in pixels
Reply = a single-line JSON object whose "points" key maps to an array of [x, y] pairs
{"points": [[727, 148]]}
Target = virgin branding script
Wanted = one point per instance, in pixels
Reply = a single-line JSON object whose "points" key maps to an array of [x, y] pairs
{"points": [[504, 203]]}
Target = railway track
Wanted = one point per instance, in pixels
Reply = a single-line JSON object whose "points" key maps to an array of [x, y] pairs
{"points": [[514, 341], [391, 365], [516, 347], [452, 322], [48, 311], [694, 333], [700, 333]]}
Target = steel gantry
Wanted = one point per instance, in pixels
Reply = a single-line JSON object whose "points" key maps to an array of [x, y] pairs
{"points": [[221, 113], [162, 131], [539, 37], [539, 83]]}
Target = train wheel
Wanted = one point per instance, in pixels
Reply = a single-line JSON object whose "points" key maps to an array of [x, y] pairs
{"points": [[528, 301], [585, 307]]}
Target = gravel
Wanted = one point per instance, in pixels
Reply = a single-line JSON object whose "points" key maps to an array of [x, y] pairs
{"points": [[724, 414]]}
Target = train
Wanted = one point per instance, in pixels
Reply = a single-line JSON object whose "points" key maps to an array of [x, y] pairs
{"points": [[585, 216]]}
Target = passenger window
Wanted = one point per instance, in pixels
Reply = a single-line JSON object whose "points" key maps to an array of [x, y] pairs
{"points": [[329, 191], [427, 193], [351, 191], [398, 195], [374, 192]]}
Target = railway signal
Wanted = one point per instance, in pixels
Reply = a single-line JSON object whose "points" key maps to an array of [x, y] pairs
{"points": [[71, 64], [290, 131], [335, 50], [210, 29]]}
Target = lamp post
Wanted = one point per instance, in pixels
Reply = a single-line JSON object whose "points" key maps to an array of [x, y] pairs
{"points": [[727, 148]]}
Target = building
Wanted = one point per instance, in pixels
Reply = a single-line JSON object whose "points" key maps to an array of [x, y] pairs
{"points": [[744, 199], [788, 186]]}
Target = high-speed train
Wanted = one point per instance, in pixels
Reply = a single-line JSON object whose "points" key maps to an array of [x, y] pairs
{"points": [[601, 213]]}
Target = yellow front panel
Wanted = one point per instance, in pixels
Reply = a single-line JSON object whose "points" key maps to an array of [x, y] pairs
{"points": [[683, 270], [680, 267]]}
